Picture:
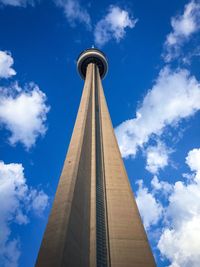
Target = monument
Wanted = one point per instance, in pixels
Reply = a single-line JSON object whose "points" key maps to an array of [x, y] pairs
{"points": [[94, 221]]}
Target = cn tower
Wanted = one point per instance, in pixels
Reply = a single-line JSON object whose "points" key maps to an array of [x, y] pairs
{"points": [[94, 221]]}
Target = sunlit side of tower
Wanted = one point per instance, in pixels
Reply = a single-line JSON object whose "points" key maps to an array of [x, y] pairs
{"points": [[94, 220]]}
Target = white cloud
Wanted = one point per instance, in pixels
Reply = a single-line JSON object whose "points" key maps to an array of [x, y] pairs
{"points": [[174, 96], [180, 241], [74, 12], [39, 201], [183, 27], [157, 157], [184, 202], [150, 209], [193, 159], [181, 246], [6, 63], [21, 3], [161, 186], [15, 204], [113, 25], [23, 112], [178, 221]]}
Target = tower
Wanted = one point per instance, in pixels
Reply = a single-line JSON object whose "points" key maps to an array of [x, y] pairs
{"points": [[94, 221]]}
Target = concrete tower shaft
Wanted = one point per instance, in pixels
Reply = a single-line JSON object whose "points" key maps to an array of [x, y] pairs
{"points": [[94, 220]]}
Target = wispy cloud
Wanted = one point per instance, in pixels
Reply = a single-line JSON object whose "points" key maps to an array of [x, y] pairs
{"points": [[74, 12], [19, 3], [113, 25], [183, 27], [17, 201]]}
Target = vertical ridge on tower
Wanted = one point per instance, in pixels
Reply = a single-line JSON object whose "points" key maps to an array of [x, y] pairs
{"points": [[102, 241]]}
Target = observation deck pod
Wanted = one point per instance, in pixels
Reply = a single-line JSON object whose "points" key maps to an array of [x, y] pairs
{"points": [[92, 55]]}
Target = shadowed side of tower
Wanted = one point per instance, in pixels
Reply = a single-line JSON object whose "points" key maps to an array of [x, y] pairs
{"points": [[94, 219]]}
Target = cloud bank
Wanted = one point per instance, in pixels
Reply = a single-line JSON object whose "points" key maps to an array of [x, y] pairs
{"points": [[176, 218], [162, 106], [17, 201], [179, 241]]}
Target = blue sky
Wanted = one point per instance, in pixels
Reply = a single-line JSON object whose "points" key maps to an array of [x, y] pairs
{"points": [[153, 93]]}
